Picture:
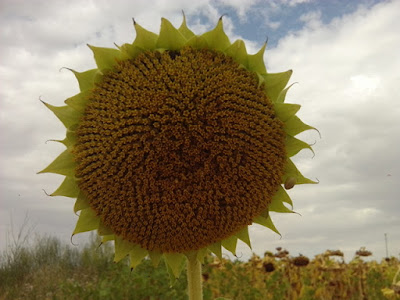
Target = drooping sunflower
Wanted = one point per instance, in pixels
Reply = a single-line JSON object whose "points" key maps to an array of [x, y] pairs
{"points": [[177, 143]]}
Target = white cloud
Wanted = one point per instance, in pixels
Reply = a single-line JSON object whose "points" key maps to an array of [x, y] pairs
{"points": [[347, 73], [295, 2]]}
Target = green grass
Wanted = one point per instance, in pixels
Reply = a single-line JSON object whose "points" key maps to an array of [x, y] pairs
{"points": [[49, 269]]}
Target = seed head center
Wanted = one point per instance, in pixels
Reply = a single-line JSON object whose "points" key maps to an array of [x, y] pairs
{"points": [[180, 149]]}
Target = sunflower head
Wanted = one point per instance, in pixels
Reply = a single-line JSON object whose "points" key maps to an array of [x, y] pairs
{"points": [[176, 143]]}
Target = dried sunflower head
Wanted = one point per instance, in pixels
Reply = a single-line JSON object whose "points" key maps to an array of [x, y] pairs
{"points": [[301, 261], [176, 143]]}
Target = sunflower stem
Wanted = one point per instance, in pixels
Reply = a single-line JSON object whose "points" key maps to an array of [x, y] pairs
{"points": [[195, 284]]}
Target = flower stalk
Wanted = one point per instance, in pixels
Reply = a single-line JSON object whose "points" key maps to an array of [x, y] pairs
{"points": [[195, 284]]}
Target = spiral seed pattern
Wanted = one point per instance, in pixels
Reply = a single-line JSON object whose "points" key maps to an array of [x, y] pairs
{"points": [[180, 149]]}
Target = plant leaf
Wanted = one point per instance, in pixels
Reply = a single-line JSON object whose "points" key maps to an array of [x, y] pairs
{"points": [[64, 165], [85, 79], [175, 262], [81, 202], [256, 61], [292, 171], [216, 249], [230, 244], [184, 30], [283, 195], [129, 51], [266, 222], [243, 235], [70, 139], [105, 58], [197, 42], [122, 248], [282, 95], [217, 38], [277, 202], [68, 188], [87, 221], [294, 126], [201, 253], [79, 101], [144, 39], [275, 83], [170, 38], [136, 255], [294, 146], [104, 230], [238, 51], [107, 238], [66, 114], [285, 111], [155, 257]]}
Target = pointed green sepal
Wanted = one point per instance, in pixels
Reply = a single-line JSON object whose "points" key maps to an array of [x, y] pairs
{"points": [[81, 202], [85, 79], [170, 38], [283, 195], [292, 171], [107, 238], [68, 188], [197, 42], [144, 39], [79, 101], [216, 249], [87, 221], [70, 139], [266, 222], [265, 213], [256, 61], [284, 111], [201, 253], [294, 146], [171, 275], [277, 205], [136, 255], [66, 114], [105, 58], [184, 30], [243, 235], [217, 38], [261, 79], [294, 126], [104, 230], [176, 262], [64, 165], [238, 52], [230, 244], [275, 83], [122, 248], [129, 51], [282, 95], [155, 257]]}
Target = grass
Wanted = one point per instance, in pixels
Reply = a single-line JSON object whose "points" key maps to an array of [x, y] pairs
{"points": [[49, 269]]}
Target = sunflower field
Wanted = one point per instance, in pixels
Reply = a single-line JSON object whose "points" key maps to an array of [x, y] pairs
{"points": [[48, 269]]}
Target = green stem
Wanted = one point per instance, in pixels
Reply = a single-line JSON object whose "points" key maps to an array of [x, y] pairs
{"points": [[195, 285]]}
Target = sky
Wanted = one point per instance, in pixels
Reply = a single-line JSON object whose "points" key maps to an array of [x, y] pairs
{"points": [[346, 62]]}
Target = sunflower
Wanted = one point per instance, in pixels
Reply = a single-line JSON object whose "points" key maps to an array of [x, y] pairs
{"points": [[177, 143]]}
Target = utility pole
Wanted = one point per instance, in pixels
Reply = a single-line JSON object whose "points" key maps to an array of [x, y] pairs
{"points": [[387, 253]]}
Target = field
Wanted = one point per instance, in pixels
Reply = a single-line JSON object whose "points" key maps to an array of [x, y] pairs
{"points": [[47, 269]]}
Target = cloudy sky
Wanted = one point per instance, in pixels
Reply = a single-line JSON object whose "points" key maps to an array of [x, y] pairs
{"points": [[345, 57]]}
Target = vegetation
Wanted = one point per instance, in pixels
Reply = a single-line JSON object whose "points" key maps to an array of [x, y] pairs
{"points": [[47, 269]]}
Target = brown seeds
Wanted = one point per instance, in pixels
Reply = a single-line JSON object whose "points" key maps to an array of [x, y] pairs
{"points": [[185, 142]]}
